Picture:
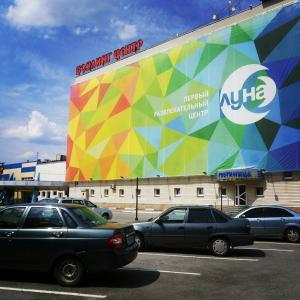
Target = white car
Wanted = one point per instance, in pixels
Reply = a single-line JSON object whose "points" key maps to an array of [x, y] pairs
{"points": [[104, 212]]}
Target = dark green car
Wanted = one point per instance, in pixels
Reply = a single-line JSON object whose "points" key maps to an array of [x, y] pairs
{"points": [[68, 240]]}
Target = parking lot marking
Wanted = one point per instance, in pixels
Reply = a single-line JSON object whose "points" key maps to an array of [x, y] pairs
{"points": [[200, 257], [163, 271], [277, 243], [263, 249], [51, 292]]}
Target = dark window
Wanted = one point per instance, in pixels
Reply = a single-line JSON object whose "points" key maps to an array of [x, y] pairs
{"points": [[156, 192], [78, 202], [54, 193], [66, 201], [68, 219], [220, 217], [259, 191], [43, 217], [10, 218], [200, 192], [287, 175], [175, 216], [200, 215], [272, 212], [254, 213], [89, 204]]}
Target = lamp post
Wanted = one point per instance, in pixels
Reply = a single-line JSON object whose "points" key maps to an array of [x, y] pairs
{"points": [[221, 198], [136, 199]]}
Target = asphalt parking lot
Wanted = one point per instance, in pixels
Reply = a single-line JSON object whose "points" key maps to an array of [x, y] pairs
{"points": [[266, 270]]}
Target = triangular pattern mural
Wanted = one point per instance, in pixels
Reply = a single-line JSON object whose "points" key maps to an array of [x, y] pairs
{"points": [[163, 115]]}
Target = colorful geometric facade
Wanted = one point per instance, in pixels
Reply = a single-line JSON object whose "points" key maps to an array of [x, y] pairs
{"points": [[227, 100]]}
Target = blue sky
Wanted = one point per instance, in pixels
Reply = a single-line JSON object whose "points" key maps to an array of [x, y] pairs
{"points": [[42, 41]]}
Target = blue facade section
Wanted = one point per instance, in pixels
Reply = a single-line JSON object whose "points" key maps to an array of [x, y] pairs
{"points": [[28, 169]]}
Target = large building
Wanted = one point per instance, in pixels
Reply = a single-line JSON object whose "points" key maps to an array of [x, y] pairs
{"points": [[210, 117]]}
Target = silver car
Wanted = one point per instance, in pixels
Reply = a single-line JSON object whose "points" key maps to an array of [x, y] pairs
{"points": [[104, 212], [272, 221]]}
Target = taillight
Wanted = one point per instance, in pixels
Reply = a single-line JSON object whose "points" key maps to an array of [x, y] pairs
{"points": [[116, 241]]}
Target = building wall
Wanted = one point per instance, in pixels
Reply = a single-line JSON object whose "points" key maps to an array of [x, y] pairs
{"points": [[51, 171], [277, 191]]}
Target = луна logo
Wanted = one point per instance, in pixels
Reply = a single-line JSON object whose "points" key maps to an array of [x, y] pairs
{"points": [[243, 97]]}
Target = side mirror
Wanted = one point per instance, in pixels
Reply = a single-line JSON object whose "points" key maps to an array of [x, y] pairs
{"points": [[150, 219]]}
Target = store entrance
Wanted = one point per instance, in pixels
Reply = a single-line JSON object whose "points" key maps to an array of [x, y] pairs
{"points": [[240, 195]]}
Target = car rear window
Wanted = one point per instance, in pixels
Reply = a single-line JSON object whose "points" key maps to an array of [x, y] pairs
{"points": [[200, 215], [274, 212], [87, 216], [220, 217]]}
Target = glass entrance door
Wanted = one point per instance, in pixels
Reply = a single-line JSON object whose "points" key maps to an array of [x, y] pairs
{"points": [[240, 195]]}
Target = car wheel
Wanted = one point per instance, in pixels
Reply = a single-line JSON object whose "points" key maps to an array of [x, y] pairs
{"points": [[292, 235], [69, 271], [140, 241], [219, 246], [105, 216]]}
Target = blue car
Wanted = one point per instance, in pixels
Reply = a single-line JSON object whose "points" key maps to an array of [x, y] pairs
{"points": [[272, 221]]}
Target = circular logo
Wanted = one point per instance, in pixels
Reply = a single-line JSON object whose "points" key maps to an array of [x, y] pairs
{"points": [[243, 97]]}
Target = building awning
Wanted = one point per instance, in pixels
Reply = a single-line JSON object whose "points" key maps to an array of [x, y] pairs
{"points": [[41, 185]]}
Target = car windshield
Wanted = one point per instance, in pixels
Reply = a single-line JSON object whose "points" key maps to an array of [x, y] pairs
{"points": [[87, 216]]}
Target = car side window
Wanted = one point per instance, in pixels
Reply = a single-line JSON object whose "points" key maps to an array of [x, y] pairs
{"points": [[220, 217], [273, 212], [200, 215], [175, 216], [68, 219], [78, 202], [10, 218], [254, 213], [89, 204], [66, 201], [43, 217]]}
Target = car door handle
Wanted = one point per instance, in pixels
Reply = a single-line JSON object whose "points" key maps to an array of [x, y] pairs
{"points": [[9, 234], [57, 234]]}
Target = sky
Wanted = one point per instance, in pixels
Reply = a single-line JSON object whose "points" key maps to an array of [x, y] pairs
{"points": [[42, 42]]}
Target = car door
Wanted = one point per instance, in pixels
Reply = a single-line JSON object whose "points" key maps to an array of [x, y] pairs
{"points": [[275, 219], [199, 227], [168, 230], [41, 238], [256, 218], [9, 222]]}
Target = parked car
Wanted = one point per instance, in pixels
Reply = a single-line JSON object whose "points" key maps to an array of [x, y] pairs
{"points": [[68, 240], [104, 212], [194, 227], [272, 221]]}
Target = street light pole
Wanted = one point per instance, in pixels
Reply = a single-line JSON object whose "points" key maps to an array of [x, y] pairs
{"points": [[136, 199], [221, 198]]}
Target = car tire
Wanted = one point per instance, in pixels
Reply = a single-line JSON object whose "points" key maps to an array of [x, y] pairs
{"points": [[105, 216], [69, 271], [292, 235], [140, 241], [219, 246]]}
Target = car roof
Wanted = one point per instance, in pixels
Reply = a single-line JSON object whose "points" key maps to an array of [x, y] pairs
{"points": [[45, 204]]}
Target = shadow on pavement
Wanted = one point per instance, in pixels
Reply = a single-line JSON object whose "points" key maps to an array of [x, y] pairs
{"points": [[123, 278]]}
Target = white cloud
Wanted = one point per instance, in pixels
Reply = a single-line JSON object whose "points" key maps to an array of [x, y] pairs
{"points": [[38, 129], [124, 30], [52, 13]]}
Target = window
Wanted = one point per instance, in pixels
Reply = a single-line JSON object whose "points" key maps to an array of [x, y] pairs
{"points": [[287, 175], [200, 192], [10, 218], [60, 195], [223, 192], [200, 215], [66, 201], [121, 192], [220, 217], [43, 194], [106, 192], [48, 194], [68, 219], [139, 192], [259, 191], [177, 192], [92, 193], [54, 193], [254, 213], [175, 216], [43, 217], [156, 192], [80, 202], [273, 212]]}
